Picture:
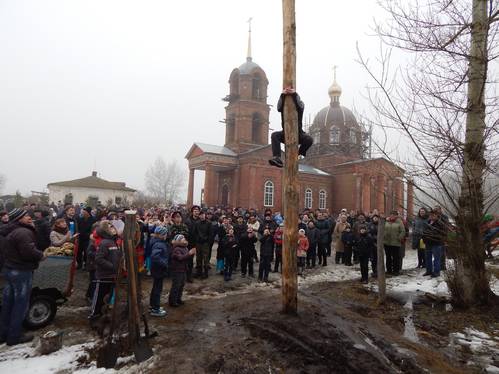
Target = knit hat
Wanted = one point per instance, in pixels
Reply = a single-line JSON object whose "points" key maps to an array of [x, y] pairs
{"points": [[178, 237], [176, 213], [16, 214], [195, 207], [161, 230], [88, 209]]}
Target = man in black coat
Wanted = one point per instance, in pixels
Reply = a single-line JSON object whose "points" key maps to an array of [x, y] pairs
{"points": [[190, 222], [43, 229], [202, 232], [324, 233], [21, 259], [85, 223], [277, 137]]}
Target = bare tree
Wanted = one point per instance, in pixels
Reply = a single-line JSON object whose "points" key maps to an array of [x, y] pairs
{"points": [[443, 105], [165, 182]]}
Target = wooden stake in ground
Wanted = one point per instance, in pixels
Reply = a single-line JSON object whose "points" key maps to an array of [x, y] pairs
{"points": [[380, 266], [290, 173]]}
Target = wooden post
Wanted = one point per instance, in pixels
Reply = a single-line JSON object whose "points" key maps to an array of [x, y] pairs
{"points": [[380, 266], [132, 269], [290, 173]]}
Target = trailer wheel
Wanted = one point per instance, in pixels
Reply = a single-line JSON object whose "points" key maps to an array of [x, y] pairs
{"points": [[41, 312]]}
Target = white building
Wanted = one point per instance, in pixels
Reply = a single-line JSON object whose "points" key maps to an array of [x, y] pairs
{"points": [[90, 190]]}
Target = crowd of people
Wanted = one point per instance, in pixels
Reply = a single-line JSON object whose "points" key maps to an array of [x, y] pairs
{"points": [[178, 243]]}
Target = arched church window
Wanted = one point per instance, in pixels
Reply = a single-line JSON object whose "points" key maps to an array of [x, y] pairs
{"points": [[334, 135], [256, 94], [231, 128], [308, 198], [268, 194], [316, 135], [256, 128], [234, 84], [353, 136], [322, 199]]}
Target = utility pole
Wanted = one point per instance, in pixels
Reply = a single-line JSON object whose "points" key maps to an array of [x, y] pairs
{"points": [[290, 172]]}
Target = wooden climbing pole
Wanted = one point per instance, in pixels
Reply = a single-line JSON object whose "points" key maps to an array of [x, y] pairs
{"points": [[290, 172]]}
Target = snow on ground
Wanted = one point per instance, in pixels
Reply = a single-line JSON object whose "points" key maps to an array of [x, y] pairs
{"points": [[24, 358], [484, 347]]}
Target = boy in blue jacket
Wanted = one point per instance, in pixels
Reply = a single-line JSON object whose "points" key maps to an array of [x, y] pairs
{"points": [[160, 260]]}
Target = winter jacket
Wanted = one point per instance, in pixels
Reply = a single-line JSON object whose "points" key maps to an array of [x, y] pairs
{"points": [[20, 249], [271, 225], [108, 257], [180, 258], [313, 236], [348, 239], [181, 229], [299, 105], [57, 239], [418, 225], [160, 258], [324, 228], [190, 222], [247, 244], [372, 230], [337, 236], [42, 227], [278, 237], [228, 247], [434, 233], [356, 228], [364, 245], [303, 246], [202, 231], [267, 246], [394, 233], [239, 230], [85, 227]]}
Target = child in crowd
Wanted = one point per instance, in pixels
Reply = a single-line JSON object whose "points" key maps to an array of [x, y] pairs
{"points": [[347, 238], [302, 250], [266, 255], [364, 246], [160, 259], [247, 245], [313, 239], [278, 236], [107, 261], [179, 266], [228, 248]]}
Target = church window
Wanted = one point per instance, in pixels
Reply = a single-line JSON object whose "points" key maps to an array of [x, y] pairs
{"points": [[334, 135], [308, 198], [268, 194], [322, 199], [353, 136], [256, 94], [316, 135], [256, 128]]}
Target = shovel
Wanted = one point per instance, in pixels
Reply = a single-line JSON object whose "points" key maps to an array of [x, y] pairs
{"points": [[140, 345], [108, 354]]}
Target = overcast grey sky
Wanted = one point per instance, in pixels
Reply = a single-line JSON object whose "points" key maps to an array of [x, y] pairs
{"points": [[111, 85]]}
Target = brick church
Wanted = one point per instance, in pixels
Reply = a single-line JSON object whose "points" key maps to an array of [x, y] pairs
{"points": [[335, 174]]}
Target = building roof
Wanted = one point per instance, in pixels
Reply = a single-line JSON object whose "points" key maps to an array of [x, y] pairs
{"points": [[93, 182], [366, 160], [248, 66], [307, 169], [214, 149]]}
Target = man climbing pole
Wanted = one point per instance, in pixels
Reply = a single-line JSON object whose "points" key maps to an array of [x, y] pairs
{"points": [[278, 137]]}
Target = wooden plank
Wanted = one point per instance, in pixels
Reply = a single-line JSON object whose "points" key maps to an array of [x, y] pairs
{"points": [[290, 172]]}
